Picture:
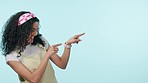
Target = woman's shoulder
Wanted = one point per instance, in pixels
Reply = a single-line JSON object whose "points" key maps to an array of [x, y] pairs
{"points": [[12, 56]]}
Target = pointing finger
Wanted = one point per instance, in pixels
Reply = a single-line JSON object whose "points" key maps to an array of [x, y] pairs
{"points": [[76, 36], [57, 45]]}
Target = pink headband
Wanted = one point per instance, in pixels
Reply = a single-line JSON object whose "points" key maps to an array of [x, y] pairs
{"points": [[25, 17]]}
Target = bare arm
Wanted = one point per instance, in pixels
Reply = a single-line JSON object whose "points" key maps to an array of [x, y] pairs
{"points": [[63, 60], [33, 77]]}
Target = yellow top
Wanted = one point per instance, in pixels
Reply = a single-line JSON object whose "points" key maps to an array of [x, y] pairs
{"points": [[32, 62]]}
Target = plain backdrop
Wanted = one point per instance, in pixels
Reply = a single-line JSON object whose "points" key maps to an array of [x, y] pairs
{"points": [[113, 50]]}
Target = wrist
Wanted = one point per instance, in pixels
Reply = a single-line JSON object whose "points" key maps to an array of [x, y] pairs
{"points": [[67, 45], [48, 55]]}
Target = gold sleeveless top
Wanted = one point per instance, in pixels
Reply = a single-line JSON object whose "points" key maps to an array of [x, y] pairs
{"points": [[33, 61]]}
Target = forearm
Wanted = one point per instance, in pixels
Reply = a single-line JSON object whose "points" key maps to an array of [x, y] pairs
{"points": [[42, 67], [65, 57], [38, 73]]}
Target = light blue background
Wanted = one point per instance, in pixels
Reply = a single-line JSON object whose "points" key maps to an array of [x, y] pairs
{"points": [[113, 50]]}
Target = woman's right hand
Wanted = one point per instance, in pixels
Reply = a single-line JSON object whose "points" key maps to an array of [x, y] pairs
{"points": [[52, 50]]}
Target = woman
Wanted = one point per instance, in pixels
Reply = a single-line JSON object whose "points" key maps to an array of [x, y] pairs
{"points": [[28, 52]]}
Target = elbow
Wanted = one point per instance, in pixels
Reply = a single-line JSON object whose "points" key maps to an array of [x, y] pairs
{"points": [[33, 80], [63, 67]]}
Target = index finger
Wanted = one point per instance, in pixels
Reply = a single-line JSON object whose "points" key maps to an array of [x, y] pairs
{"points": [[76, 36], [57, 44]]}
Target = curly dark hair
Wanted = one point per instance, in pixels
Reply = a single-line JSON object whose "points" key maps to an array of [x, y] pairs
{"points": [[15, 37]]}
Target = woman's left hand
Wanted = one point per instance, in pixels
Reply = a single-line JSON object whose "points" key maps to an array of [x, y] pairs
{"points": [[74, 39]]}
